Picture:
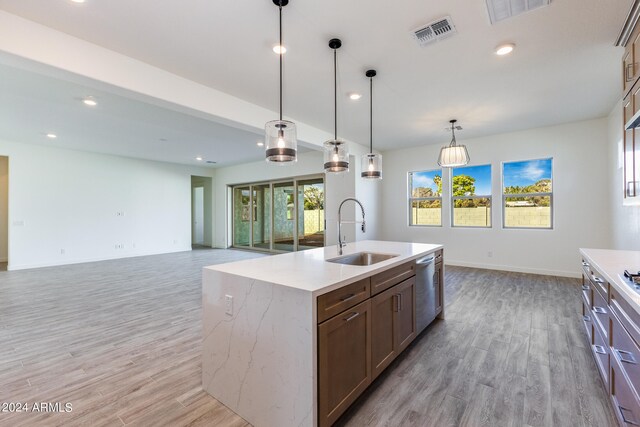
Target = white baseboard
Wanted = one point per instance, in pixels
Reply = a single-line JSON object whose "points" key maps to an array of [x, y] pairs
{"points": [[13, 267], [484, 266]]}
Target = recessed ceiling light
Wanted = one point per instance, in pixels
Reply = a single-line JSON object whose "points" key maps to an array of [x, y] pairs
{"points": [[260, 144], [505, 49], [279, 49], [355, 96], [78, 1], [90, 101], [52, 136], [199, 158]]}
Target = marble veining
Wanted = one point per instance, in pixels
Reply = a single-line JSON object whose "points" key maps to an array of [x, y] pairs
{"points": [[261, 360]]}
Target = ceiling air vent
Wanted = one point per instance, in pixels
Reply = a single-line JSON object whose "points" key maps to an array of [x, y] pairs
{"points": [[435, 31], [500, 10]]}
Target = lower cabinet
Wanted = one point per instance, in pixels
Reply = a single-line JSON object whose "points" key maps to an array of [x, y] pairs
{"points": [[613, 332], [357, 344], [393, 317], [344, 361]]}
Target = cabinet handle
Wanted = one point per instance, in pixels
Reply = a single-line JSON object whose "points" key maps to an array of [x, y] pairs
{"points": [[629, 359], [396, 302], [596, 279], [628, 77], [347, 297], [599, 349], [585, 264], [585, 287], [622, 411], [586, 318], [401, 302], [600, 310], [351, 317]]}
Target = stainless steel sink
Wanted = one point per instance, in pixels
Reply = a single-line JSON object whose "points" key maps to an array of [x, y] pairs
{"points": [[361, 258]]}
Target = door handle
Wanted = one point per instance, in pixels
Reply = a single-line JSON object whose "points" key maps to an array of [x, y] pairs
{"points": [[624, 418], [628, 77], [599, 349], [629, 356], [351, 317]]}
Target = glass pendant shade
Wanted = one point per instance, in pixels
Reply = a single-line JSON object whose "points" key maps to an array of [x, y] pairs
{"points": [[281, 144], [453, 156], [371, 166], [336, 156]]}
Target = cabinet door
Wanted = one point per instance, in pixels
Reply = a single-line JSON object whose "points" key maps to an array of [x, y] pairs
{"points": [[383, 335], [405, 315], [628, 70], [344, 361], [629, 149]]}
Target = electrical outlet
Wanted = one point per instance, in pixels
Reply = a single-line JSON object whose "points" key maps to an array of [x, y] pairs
{"points": [[228, 305], [490, 254], [61, 251]]}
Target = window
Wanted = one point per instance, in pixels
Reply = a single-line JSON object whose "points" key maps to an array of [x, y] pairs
{"points": [[471, 196], [527, 196], [425, 198]]}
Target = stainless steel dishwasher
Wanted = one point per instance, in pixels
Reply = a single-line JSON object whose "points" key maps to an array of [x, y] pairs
{"points": [[425, 292]]}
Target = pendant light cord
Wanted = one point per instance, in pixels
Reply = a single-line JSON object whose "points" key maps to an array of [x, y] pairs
{"points": [[453, 136], [281, 55], [371, 115], [335, 95]]}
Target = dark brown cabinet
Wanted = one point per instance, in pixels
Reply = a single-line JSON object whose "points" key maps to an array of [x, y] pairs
{"points": [[362, 328], [344, 361], [393, 315], [613, 332]]}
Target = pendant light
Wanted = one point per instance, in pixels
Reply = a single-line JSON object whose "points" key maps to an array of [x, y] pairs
{"points": [[336, 152], [371, 163], [453, 155], [281, 145]]}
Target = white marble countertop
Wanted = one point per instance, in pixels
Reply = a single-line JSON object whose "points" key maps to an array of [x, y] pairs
{"points": [[611, 264], [309, 271]]}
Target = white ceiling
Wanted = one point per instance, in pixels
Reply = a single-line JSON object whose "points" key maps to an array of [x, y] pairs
{"points": [[564, 68], [34, 104]]}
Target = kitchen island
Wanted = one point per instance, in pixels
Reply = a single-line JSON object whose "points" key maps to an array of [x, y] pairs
{"points": [[270, 326]]}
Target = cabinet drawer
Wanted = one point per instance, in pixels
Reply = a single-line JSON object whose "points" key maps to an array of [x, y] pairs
{"points": [[586, 320], [599, 284], [600, 316], [626, 352], [337, 301], [587, 293], [625, 314], [600, 349], [391, 277], [625, 403]]}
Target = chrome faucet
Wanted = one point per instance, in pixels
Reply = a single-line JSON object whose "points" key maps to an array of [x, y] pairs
{"points": [[342, 244]]}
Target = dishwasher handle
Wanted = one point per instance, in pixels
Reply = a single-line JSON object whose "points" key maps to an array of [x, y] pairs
{"points": [[425, 261]]}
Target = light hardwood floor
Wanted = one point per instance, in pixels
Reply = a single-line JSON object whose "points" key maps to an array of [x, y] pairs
{"points": [[121, 341]]}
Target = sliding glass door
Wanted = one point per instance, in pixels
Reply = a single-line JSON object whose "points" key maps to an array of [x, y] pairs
{"points": [[280, 216]]}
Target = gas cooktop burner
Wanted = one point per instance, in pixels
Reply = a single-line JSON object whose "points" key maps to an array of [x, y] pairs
{"points": [[633, 277]]}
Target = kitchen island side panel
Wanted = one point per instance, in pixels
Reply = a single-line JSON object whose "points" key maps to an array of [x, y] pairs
{"points": [[259, 361]]}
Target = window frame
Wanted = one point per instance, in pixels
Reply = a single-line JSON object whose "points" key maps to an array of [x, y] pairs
{"points": [[454, 198], [422, 199], [550, 195]]}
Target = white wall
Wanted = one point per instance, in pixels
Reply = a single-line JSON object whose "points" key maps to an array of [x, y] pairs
{"points": [[337, 188], [625, 219], [68, 200], [581, 205], [4, 208]]}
